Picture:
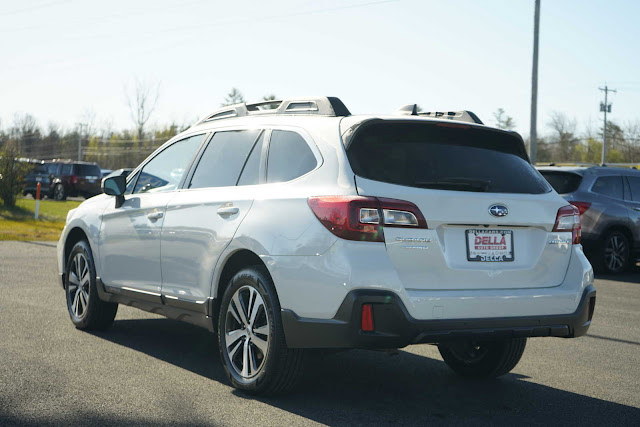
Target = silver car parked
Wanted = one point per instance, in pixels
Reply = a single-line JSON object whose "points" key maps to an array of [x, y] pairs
{"points": [[609, 202]]}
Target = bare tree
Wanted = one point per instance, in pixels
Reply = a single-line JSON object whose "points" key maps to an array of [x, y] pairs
{"points": [[233, 97], [142, 100], [503, 121], [564, 135]]}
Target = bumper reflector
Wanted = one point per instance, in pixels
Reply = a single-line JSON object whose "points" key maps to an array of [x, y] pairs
{"points": [[367, 318]]}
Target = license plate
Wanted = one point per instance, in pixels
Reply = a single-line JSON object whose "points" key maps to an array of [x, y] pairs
{"points": [[91, 181], [489, 245], [38, 179]]}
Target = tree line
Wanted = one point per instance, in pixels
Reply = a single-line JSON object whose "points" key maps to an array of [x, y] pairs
{"points": [[112, 149]]}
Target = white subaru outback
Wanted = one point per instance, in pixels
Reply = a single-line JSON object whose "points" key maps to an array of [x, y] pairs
{"points": [[293, 225]]}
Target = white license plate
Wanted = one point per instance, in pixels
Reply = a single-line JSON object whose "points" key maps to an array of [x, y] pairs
{"points": [[489, 245], [38, 179], [91, 181]]}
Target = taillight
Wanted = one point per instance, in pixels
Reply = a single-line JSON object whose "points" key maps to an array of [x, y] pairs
{"points": [[363, 218], [582, 206], [568, 219], [74, 179]]}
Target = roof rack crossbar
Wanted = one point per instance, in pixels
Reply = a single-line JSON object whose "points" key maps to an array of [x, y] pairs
{"points": [[462, 116], [321, 106]]}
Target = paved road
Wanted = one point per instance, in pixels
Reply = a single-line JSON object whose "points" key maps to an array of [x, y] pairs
{"points": [[152, 370]]}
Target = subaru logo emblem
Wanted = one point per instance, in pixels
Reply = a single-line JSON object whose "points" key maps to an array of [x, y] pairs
{"points": [[498, 210]]}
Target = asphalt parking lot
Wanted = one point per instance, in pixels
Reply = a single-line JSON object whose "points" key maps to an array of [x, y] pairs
{"points": [[151, 370]]}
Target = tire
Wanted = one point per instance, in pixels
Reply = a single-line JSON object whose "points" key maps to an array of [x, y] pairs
{"points": [[86, 309], [256, 337], [59, 193], [487, 359], [614, 254]]}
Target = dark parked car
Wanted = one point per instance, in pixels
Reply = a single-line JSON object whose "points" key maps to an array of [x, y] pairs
{"points": [[62, 178], [608, 199]]}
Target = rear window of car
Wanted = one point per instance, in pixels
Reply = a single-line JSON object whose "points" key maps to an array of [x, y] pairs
{"points": [[563, 182], [88, 170], [445, 157]]}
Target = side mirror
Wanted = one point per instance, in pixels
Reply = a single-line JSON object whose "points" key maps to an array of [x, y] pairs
{"points": [[115, 186]]}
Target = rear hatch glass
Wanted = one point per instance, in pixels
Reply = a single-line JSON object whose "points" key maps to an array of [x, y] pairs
{"points": [[563, 182], [445, 157]]}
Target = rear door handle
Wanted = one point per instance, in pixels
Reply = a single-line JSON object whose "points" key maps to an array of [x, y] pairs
{"points": [[228, 210], [155, 216], [636, 209]]}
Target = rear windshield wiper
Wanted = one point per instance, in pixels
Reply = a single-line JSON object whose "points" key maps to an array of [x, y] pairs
{"points": [[455, 183]]}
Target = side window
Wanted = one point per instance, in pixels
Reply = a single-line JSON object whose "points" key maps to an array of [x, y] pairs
{"points": [[53, 168], [609, 186], [164, 171], [131, 184], [289, 157], [634, 183], [224, 158], [250, 174], [67, 170]]}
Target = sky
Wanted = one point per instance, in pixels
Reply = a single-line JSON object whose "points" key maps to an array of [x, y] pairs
{"points": [[64, 61]]}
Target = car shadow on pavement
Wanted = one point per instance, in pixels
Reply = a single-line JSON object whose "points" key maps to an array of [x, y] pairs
{"points": [[627, 277], [367, 387]]}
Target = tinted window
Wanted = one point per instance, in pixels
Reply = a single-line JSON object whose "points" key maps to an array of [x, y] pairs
{"points": [[563, 182], [439, 156], [223, 159], [52, 168], [164, 171], [251, 172], [289, 157], [634, 183], [609, 186], [88, 170], [40, 169], [66, 170]]}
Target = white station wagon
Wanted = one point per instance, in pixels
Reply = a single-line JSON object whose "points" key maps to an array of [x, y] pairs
{"points": [[290, 225]]}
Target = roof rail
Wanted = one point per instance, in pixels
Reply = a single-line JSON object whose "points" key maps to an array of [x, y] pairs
{"points": [[318, 106], [461, 116]]}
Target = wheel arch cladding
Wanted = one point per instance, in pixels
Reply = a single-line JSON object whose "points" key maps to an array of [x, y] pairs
{"points": [[75, 235], [237, 261]]}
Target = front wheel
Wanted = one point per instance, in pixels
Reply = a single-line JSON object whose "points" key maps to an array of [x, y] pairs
{"points": [[86, 309], [251, 339], [483, 359]]}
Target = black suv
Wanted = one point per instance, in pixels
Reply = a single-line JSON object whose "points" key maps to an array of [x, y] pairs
{"points": [[62, 178], [608, 199]]}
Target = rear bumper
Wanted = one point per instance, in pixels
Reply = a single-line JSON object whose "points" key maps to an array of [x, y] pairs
{"points": [[395, 328]]}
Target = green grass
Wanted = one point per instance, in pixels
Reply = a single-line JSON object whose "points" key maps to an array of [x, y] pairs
{"points": [[18, 223]]}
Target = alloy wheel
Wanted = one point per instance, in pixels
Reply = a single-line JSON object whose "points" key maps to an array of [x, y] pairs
{"points": [[78, 282], [616, 253], [469, 352], [247, 332]]}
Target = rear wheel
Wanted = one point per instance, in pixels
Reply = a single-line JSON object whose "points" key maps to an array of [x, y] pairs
{"points": [[86, 309], [483, 359], [251, 339], [615, 253]]}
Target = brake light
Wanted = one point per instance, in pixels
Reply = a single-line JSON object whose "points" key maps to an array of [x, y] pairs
{"points": [[74, 179], [582, 206], [363, 218], [366, 321], [568, 219]]}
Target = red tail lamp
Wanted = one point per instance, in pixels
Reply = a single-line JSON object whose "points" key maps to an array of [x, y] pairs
{"points": [[367, 318]]}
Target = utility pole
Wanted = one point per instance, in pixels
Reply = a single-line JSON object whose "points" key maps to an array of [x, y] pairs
{"points": [[534, 85], [606, 108], [80, 129]]}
